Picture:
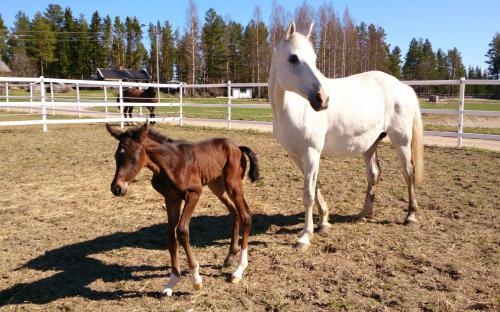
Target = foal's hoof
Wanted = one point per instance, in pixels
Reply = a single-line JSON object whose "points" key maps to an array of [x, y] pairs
{"points": [[198, 286], [360, 217], [324, 229], [235, 280], [229, 261], [301, 247], [167, 292]]}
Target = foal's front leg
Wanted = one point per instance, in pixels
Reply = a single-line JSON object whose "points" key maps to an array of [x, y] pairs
{"points": [[310, 163], [183, 236], [173, 210]]}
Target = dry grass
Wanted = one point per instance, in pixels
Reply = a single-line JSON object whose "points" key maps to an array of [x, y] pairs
{"points": [[67, 244]]}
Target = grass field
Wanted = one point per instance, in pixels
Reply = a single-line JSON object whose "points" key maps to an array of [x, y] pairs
{"points": [[68, 244]]}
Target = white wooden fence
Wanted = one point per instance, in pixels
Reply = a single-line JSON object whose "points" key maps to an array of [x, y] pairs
{"points": [[43, 103]]}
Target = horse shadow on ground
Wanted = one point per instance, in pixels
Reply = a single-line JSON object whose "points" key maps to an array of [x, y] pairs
{"points": [[77, 269]]}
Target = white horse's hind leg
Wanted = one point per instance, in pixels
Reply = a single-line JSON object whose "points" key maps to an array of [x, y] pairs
{"points": [[310, 163], [372, 174], [404, 153], [324, 225]]}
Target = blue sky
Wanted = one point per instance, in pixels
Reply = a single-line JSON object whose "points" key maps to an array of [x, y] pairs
{"points": [[465, 24]]}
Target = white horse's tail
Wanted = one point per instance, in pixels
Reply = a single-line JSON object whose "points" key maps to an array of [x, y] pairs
{"points": [[417, 147]]}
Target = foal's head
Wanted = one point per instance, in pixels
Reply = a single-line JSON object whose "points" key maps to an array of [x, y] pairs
{"points": [[296, 71], [130, 156]]}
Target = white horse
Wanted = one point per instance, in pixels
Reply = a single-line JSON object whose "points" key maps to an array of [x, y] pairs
{"points": [[315, 116]]}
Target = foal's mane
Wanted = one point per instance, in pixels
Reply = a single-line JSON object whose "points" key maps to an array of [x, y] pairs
{"points": [[153, 134]]}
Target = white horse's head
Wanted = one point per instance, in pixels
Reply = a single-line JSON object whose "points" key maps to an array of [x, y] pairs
{"points": [[296, 70]]}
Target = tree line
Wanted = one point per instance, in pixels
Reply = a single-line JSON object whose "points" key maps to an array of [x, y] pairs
{"points": [[57, 43]]}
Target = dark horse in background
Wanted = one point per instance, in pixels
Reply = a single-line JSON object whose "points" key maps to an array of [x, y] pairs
{"points": [[139, 95]]}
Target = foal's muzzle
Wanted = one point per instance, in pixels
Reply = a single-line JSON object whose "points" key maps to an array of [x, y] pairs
{"points": [[318, 100], [118, 190]]}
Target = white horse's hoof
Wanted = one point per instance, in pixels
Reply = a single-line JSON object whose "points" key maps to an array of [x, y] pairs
{"points": [[324, 228], [198, 286], [167, 292], [410, 220], [301, 246]]}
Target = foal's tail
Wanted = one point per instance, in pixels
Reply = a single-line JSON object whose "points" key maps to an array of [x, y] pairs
{"points": [[417, 147], [254, 172]]}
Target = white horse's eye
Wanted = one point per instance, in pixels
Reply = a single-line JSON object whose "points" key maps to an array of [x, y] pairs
{"points": [[294, 59]]}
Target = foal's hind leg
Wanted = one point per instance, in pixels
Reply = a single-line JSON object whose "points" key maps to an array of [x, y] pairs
{"points": [[234, 187], [217, 187]]}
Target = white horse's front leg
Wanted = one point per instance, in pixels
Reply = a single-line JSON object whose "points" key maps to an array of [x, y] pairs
{"points": [[310, 165]]}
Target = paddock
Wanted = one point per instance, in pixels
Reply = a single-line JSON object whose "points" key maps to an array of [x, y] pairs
{"points": [[68, 244]]}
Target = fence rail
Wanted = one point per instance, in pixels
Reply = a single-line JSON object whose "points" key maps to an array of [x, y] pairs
{"points": [[46, 100]]}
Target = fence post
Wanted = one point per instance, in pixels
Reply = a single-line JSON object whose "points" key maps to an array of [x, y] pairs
{"points": [[159, 98], [106, 102], [7, 94], [229, 104], [461, 106], [52, 97], [31, 98], [78, 99], [44, 108], [120, 93], [181, 91]]}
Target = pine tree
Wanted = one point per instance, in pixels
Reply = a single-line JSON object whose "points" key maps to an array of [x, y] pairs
{"points": [[455, 65], [55, 17], [394, 62], [107, 41], [234, 50], [167, 56], [153, 33], [118, 51], [43, 42], [363, 46], [493, 56], [426, 68], [95, 42], [192, 42], [412, 60], [4, 32], [67, 50], [212, 44], [83, 65], [21, 62]]}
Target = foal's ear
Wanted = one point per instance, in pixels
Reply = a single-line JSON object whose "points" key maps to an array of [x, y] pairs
{"points": [[114, 132], [143, 131], [290, 30], [311, 28]]}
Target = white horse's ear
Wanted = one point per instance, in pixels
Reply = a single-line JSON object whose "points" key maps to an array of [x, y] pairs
{"points": [[290, 30], [311, 28]]}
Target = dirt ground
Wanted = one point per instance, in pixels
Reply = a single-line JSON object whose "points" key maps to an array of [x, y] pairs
{"points": [[66, 243]]}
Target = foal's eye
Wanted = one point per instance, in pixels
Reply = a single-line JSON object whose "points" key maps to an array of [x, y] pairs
{"points": [[294, 59]]}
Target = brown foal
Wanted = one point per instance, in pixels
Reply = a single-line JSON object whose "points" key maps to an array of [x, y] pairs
{"points": [[180, 170]]}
